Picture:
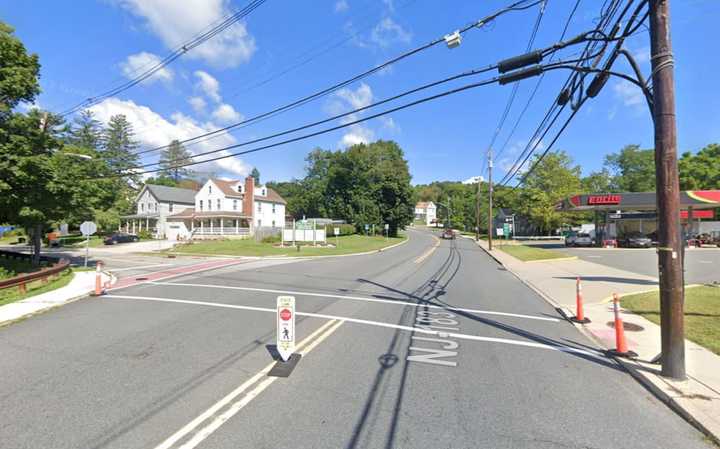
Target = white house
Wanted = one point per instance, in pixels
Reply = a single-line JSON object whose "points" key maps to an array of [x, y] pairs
{"points": [[426, 211], [228, 209], [154, 203]]}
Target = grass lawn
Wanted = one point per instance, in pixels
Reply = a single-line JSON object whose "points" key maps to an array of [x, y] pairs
{"points": [[94, 242], [702, 313], [8, 295], [529, 253], [346, 245]]}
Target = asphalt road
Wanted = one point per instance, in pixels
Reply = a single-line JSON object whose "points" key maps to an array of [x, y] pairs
{"points": [[701, 264], [182, 363]]}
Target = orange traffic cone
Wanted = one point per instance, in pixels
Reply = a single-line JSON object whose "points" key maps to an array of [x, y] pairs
{"points": [[579, 313], [98, 279], [621, 349]]}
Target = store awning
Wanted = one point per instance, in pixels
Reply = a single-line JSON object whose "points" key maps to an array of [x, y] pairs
{"points": [[698, 199]]}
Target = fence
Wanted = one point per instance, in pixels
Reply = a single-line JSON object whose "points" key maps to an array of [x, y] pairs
{"points": [[304, 235], [44, 274]]}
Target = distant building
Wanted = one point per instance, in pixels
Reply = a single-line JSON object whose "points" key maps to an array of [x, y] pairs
{"points": [[153, 205], [426, 211]]}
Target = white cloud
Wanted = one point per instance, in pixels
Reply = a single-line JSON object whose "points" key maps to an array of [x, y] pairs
{"points": [[139, 63], [473, 180], [359, 98], [209, 85], [390, 4], [630, 94], [198, 104], [177, 22], [226, 114], [357, 134], [341, 6], [388, 32], [389, 123], [154, 130], [642, 55]]}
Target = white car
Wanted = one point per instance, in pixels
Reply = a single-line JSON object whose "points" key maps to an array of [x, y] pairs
{"points": [[583, 240]]}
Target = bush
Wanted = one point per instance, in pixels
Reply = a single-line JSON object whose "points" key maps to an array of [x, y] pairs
{"points": [[345, 229], [145, 235], [271, 239]]}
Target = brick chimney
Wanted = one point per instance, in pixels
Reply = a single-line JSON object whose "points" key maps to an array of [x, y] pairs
{"points": [[248, 202]]}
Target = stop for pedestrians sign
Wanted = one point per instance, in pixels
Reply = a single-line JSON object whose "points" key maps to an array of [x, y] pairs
{"points": [[285, 326]]}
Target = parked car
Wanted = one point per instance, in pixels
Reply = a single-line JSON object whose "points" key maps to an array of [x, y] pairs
{"points": [[120, 237], [448, 234], [583, 240], [635, 240], [570, 238]]}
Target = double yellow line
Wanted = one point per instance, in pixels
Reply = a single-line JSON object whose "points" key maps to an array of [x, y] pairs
{"points": [[427, 253], [213, 419]]}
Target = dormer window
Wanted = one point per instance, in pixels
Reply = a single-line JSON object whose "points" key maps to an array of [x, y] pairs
{"points": [[264, 192], [240, 188], [210, 189]]}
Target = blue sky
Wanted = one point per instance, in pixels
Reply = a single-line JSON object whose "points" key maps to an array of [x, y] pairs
{"points": [[88, 46]]}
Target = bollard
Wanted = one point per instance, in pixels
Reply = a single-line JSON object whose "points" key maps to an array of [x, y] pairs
{"points": [[579, 313], [621, 349], [98, 279]]}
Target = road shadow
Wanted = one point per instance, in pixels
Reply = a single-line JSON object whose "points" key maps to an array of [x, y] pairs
{"points": [[619, 280]]}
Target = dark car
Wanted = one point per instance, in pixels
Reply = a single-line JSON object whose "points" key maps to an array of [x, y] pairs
{"points": [[120, 237], [635, 240], [448, 234]]}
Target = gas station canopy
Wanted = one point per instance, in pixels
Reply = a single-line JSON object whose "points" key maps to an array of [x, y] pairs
{"points": [[638, 201]]}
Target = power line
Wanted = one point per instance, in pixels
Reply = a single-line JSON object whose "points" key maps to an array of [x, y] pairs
{"points": [[179, 51], [516, 6]]}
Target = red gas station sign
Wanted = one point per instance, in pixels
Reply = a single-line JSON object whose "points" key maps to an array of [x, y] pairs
{"points": [[604, 199]]}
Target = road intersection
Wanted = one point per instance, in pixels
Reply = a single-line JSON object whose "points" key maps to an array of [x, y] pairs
{"points": [[427, 345]]}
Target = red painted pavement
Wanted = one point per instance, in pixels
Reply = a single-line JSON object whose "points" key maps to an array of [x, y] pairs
{"points": [[179, 271]]}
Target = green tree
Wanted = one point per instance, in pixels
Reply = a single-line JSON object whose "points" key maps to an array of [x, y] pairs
{"points": [[255, 173], [86, 131], [597, 182], [554, 178], [119, 145], [633, 169], [19, 72], [700, 171], [172, 160]]}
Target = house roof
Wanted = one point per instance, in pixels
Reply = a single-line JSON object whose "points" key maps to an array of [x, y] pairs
{"points": [[191, 213], [227, 187], [272, 196], [167, 194], [423, 204]]}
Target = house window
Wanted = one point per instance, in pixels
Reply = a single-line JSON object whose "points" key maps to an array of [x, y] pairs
{"points": [[142, 207], [209, 204], [240, 188], [273, 223], [259, 207], [201, 204], [234, 204], [209, 189], [273, 208], [170, 207], [218, 204], [259, 223]]}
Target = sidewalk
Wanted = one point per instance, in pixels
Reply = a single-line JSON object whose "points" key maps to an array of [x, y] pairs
{"points": [[82, 284], [697, 399]]}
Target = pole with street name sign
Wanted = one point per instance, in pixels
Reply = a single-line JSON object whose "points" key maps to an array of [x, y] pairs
{"points": [[336, 231], [285, 326], [87, 228]]}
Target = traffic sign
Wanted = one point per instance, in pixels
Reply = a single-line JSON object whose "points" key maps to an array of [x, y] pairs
{"points": [[387, 226], [285, 326], [336, 231], [88, 228]]}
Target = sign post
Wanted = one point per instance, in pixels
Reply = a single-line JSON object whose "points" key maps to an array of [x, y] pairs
{"points": [[387, 231], [87, 228], [285, 326], [336, 231]]}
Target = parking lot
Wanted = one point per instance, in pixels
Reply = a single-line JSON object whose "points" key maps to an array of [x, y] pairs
{"points": [[701, 264]]}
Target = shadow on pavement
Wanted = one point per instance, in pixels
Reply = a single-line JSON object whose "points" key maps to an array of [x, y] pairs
{"points": [[616, 279]]}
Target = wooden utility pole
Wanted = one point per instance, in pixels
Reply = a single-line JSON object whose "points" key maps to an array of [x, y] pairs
{"points": [[490, 198], [668, 194]]}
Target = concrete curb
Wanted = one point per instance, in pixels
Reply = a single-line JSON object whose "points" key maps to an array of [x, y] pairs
{"points": [[554, 259], [634, 368], [228, 256]]}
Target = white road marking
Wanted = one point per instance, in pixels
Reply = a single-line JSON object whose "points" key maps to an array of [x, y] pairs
{"points": [[441, 334], [115, 270], [358, 298], [595, 257], [187, 429], [705, 261]]}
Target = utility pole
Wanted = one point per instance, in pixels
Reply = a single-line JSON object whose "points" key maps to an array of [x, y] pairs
{"points": [[490, 198], [668, 194], [447, 224], [477, 212]]}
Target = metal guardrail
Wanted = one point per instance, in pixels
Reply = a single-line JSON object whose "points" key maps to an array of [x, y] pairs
{"points": [[42, 274]]}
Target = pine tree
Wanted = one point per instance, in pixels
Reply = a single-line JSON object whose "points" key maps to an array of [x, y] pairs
{"points": [[255, 173], [119, 145], [86, 131], [172, 159]]}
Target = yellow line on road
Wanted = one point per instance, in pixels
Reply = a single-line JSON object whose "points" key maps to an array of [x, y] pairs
{"points": [[428, 252], [323, 331]]}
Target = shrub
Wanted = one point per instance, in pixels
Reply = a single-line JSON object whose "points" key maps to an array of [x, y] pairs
{"points": [[271, 239], [145, 235], [345, 229]]}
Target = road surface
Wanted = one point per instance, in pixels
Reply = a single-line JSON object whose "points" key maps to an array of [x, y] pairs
{"points": [[183, 362]]}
